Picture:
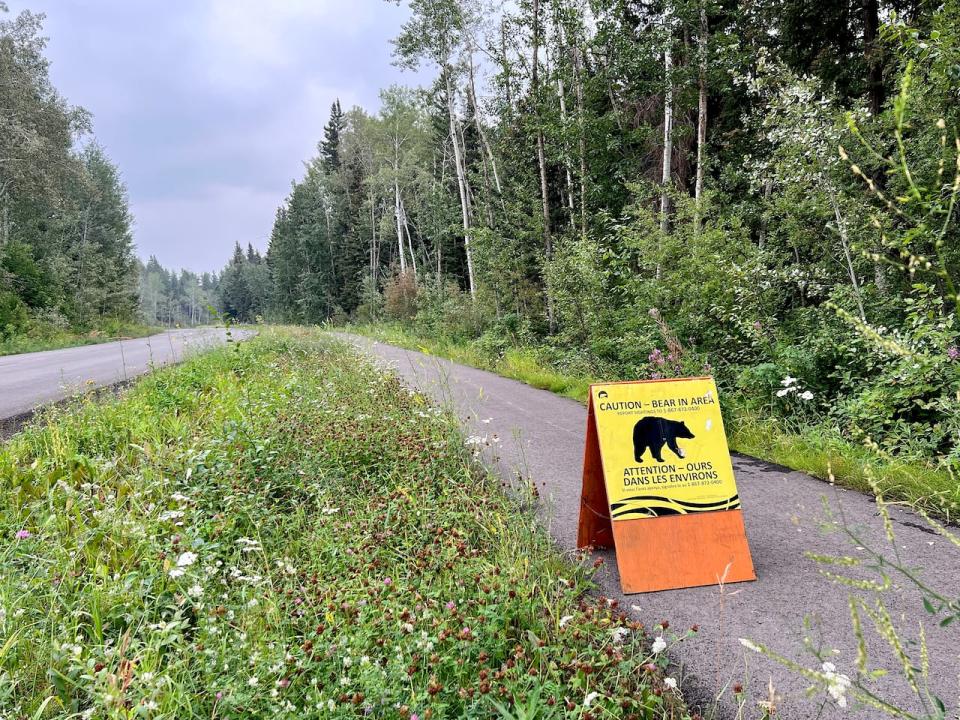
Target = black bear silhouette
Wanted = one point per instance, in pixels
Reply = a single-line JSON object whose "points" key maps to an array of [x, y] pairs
{"points": [[654, 433]]}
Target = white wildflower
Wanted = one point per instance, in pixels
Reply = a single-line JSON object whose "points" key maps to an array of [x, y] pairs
{"points": [[186, 559], [670, 683], [659, 645], [177, 572], [590, 698], [806, 395], [248, 544], [195, 592], [620, 634], [253, 681], [788, 381], [837, 683], [565, 619]]}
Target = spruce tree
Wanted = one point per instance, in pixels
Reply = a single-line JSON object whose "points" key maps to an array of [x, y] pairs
{"points": [[330, 145]]}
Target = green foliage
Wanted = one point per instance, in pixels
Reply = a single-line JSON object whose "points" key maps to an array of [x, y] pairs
{"points": [[285, 546], [244, 285], [65, 227], [771, 274], [911, 405], [25, 275], [13, 314], [172, 299]]}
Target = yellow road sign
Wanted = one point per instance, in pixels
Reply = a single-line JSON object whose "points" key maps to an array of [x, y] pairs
{"points": [[663, 448]]}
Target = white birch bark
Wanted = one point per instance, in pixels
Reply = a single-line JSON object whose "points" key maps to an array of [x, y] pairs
{"points": [[701, 114], [461, 183]]}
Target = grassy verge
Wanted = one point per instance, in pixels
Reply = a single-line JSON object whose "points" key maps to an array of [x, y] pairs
{"points": [[818, 451], [276, 529], [56, 339]]}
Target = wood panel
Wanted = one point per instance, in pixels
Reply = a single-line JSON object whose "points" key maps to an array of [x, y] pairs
{"points": [[595, 526], [679, 551]]}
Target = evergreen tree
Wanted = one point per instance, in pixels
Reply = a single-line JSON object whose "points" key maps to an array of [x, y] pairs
{"points": [[330, 145]]}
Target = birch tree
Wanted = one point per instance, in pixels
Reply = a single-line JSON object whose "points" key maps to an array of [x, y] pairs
{"points": [[434, 34]]}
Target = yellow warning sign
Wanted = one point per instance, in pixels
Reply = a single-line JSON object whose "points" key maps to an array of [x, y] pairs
{"points": [[663, 448]]}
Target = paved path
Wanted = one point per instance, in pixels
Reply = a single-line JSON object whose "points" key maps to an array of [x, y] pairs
{"points": [[542, 438], [30, 380]]}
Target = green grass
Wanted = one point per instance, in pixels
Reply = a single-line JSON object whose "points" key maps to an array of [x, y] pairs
{"points": [[55, 339], [823, 453], [819, 451], [278, 529]]}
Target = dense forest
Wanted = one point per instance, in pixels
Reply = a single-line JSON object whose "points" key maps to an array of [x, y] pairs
{"points": [[66, 247], [240, 292], [67, 257], [646, 188], [763, 191]]}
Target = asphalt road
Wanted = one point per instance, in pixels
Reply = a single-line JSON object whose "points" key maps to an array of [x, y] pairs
{"points": [[541, 438], [30, 380]]}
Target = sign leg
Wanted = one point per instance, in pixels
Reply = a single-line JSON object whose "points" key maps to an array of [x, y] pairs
{"points": [[596, 528]]}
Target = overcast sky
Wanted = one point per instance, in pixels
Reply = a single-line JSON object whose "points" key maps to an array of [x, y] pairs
{"points": [[210, 107]]}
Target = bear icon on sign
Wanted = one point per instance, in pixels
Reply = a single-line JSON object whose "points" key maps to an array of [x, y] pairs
{"points": [[652, 433]]}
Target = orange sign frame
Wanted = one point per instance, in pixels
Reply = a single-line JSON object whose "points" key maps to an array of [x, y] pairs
{"points": [[659, 553]]}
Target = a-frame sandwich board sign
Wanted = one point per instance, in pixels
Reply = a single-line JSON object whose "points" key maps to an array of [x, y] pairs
{"points": [[658, 485]]}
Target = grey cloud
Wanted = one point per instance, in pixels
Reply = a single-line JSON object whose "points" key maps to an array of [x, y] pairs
{"points": [[209, 108]]}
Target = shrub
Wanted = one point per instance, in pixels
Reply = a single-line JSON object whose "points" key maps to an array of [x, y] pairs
{"points": [[911, 407], [13, 314], [400, 295], [449, 312]]}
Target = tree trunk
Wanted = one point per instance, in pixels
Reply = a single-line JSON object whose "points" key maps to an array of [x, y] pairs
{"points": [[767, 193], [396, 217], [877, 94], [461, 182], [666, 175], [845, 243], [562, 99], [480, 131], [701, 115], [506, 64], [484, 151], [871, 51], [81, 282], [406, 229], [578, 86], [5, 220], [566, 154], [373, 239], [542, 156]]}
